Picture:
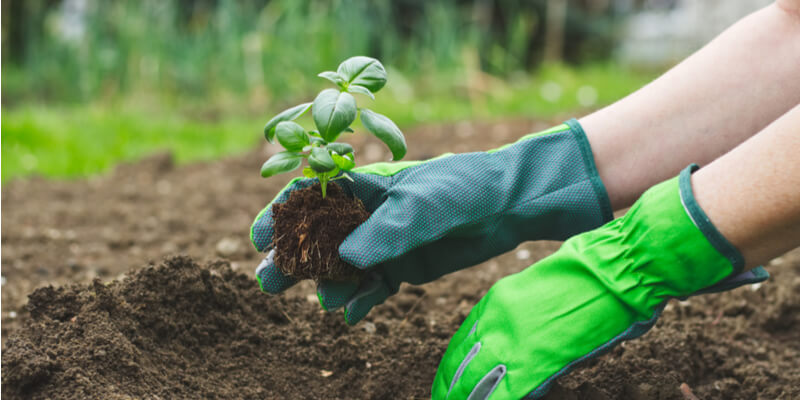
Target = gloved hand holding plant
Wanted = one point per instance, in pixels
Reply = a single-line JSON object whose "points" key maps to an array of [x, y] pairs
{"points": [[430, 218], [311, 224]]}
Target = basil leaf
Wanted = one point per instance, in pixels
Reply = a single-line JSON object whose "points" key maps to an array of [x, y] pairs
{"points": [[385, 130], [320, 160], [286, 115], [363, 71], [291, 136], [284, 161], [348, 177], [333, 111], [343, 163], [333, 77], [319, 140], [360, 89], [309, 173], [340, 148]]}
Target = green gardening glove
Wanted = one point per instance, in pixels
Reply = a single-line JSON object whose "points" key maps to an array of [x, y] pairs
{"points": [[434, 217], [600, 288]]}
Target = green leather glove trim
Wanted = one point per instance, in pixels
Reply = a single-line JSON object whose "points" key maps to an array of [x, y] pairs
{"points": [[557, 128], [599, 288], [392, 168]]}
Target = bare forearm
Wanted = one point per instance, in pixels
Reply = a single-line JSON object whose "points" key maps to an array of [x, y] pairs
{"points": [[703, 107], [752, 194]]}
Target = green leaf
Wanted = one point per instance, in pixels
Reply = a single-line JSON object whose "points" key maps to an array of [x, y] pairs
{"points": [[349, 130], [386, 131], [333, 77], [321, 160], [364, 71], [360, 89], [291, 136], [333, 111], [286, 115], [279, 163], [308, 172], [319, 140], [341, 148], [343, 163]]}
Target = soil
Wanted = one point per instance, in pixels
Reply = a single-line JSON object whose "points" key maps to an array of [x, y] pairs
{"points": [[126, 317], [309, 230]]}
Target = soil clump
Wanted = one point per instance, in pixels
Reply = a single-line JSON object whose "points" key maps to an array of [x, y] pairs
{"points": [[309, 230], [180, 330]]}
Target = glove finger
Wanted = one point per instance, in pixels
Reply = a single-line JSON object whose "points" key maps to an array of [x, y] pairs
{"points": [[372, 292], [480, 375], [261, 231], [333, 295], [458, 355], [270, 278]]}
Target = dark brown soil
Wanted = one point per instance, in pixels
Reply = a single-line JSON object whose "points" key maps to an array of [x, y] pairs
{"points": [[202, 329], [179, 330], [309, 230]]}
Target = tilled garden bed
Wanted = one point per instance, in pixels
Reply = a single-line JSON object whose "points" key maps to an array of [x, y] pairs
{"points": [[138, 284]]}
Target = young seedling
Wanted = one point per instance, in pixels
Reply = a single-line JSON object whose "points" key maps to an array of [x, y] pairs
{"points": [[333, 111]]}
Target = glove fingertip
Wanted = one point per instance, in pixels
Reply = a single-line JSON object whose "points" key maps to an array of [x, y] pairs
{"points": [[261, 231], [359, 306], [349, 319], [333, 295], [270, 278]]}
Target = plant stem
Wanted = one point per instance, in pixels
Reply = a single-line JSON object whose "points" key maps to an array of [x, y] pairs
{"points": [[323, 183]]}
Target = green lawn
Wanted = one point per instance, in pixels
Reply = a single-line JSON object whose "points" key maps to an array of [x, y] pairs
{"points": [[80, 140]]}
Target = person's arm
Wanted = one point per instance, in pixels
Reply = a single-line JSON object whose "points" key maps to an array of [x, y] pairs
{"points": [[703, 107], [752, 194], [692, 234]]}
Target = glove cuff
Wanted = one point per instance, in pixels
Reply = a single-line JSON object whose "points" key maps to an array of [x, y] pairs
{"points": [[716, 239], [703, 223], [571, 139], [591, 169]]}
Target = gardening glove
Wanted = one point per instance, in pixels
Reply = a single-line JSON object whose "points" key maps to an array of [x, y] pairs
{"points": [[430, 218], [600, 288]]}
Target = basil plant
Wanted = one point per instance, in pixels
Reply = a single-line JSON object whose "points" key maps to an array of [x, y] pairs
{"points": [[333, 111]]}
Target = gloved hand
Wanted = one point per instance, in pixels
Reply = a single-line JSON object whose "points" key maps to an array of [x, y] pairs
{"points": [[434, 217], [599, 288]]}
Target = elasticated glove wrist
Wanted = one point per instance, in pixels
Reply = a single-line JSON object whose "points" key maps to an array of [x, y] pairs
{"points": [[600, 288], [434, 217]]}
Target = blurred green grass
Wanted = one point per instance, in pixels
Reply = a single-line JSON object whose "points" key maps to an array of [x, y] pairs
{"points": [[68, 141], [87, 85]]}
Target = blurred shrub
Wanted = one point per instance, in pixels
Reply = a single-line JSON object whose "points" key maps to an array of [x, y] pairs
{"points": [[82, 50]]}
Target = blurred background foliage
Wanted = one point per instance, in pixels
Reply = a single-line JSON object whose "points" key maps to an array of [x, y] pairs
{"points": [[87, 83]]}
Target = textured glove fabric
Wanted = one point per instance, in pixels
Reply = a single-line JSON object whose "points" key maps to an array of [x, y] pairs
{"points": [[600, 288], [435, 217]]}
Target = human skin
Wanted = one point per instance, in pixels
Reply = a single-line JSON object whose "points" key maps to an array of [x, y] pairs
{"points": [[752, 193], [702, 108]]}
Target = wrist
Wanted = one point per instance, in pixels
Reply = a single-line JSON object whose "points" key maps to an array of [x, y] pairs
{"points": [[554, 183]]}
